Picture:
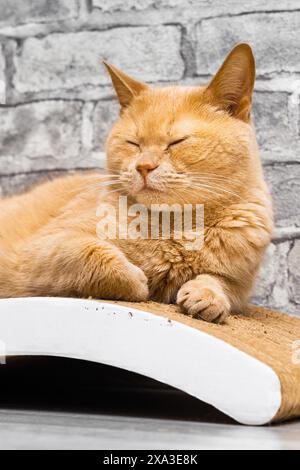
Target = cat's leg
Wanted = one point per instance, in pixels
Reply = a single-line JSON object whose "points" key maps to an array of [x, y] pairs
{"points": [[232, 253], [204, 297], [76, 264]]}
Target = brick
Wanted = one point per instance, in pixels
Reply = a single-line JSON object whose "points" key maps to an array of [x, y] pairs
{"points": [[121, 5], [266, 278], [136, 5], [39, 136], [2, 77], [62, 61], [284, 182], [105, 114], [294, 271], [274, 128], [16, 12], [274, 37], [271, 287], [208, 7]]}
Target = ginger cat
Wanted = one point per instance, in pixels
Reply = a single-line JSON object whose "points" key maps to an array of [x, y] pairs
{"points": [[170, 145]]}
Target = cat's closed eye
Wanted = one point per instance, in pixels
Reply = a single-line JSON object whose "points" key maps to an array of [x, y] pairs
{"points": [[134, 144], [171, 144], [176, 142]]}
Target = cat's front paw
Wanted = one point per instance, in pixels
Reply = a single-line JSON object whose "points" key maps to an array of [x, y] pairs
{"points": [[204, 301], [133, 283]]}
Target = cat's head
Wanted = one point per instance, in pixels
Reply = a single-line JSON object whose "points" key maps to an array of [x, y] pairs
{"points": [[185, 144]]}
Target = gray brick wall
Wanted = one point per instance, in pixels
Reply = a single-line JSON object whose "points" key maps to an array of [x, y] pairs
{"points": [[56, 103]]}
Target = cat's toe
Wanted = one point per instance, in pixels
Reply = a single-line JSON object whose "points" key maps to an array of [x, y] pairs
{"points": [[136, 284], [203, 303]]}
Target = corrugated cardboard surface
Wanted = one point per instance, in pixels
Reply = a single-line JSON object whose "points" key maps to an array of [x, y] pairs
{"points": [[269, 336]]}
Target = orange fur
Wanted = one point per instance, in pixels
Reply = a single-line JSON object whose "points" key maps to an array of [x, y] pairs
{"points": [[170, 145]]}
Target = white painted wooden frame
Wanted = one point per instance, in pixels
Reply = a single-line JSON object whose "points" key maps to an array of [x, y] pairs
{"points": [[201, 365]]}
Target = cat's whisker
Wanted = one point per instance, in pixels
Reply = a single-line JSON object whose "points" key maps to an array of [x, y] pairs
{"points": [[177, 181], [175, 192], [216, 189], [207, 197], [214, 183], [213, 176], [89, 188], [108, 183], [188, 194], [101, 185], [107, 172], [219, 188], [125, 180], [187, 189], [109, 191], [101, 176], [204, 173], [110, 176], [176, 177], [200, 179]]}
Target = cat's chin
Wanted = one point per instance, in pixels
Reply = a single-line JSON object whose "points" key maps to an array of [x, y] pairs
{"points": [[148, 197]]}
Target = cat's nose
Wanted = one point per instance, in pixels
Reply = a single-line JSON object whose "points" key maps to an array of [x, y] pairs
{"points": [[145, 166]]}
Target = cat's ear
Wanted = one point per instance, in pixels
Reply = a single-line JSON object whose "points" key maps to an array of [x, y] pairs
{"points": [[232, 87], [126, 87]]}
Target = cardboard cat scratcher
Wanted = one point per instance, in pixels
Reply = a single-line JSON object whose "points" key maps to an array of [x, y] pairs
{"points": [[248, 368]]}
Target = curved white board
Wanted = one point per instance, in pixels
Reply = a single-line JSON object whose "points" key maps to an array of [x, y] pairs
{"points": [[201, 365]]}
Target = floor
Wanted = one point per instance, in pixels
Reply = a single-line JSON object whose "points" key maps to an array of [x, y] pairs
{"points": [[51, 403], [46, 430]]}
